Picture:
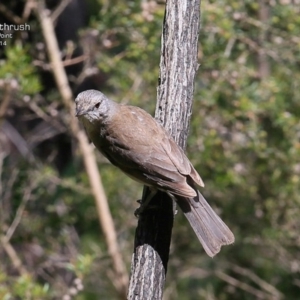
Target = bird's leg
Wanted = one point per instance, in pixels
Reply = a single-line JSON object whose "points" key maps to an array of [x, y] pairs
{"points": [[145, 203], [175, 210]]}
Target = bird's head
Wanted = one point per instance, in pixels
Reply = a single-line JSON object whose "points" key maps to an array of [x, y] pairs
{"points": [[92, 105]]}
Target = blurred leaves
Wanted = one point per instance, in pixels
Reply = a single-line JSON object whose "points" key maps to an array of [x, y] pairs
{"points": [[18, 65]]}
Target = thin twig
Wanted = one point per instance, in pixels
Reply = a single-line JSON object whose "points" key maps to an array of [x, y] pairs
{"points": [[10, 251], [74, 61], [10, 15], [17, 140], [262, 283], [29, 6], [2, 155], [121, 277], [9, 185], [66, 62], [242, 285], [8, 87], [59, 9], [254, 46], [48, 119], [19, 213]]}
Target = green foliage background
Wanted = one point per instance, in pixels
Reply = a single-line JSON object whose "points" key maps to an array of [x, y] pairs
{"points": [[244, 141]]}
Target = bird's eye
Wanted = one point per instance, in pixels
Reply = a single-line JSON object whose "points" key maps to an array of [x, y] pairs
{"points": [[97, 105]]}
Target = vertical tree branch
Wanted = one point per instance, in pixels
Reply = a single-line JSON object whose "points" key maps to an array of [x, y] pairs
{"points": [[178, 67], [106, 221]]}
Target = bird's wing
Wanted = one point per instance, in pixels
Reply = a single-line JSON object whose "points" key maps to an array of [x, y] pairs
{"points": [[144, 151], [180, 160]]}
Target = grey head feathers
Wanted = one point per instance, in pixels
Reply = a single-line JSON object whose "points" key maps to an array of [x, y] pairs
{"points": [[94, 106]]}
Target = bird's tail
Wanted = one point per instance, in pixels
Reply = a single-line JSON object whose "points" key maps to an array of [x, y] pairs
{"points": [[211, 231]]}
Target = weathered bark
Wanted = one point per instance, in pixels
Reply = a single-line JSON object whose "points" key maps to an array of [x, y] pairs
{"points": [[178, 67], [174, 104]]}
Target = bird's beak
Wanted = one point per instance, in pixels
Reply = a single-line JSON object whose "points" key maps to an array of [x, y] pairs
{"points": [[79, 112]]}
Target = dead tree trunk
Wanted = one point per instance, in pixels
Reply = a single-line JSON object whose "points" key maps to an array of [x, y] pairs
{"points": [[178, 67]]}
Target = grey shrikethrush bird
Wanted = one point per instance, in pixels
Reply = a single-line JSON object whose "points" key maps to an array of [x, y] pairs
{"points": [[134, 142]]}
